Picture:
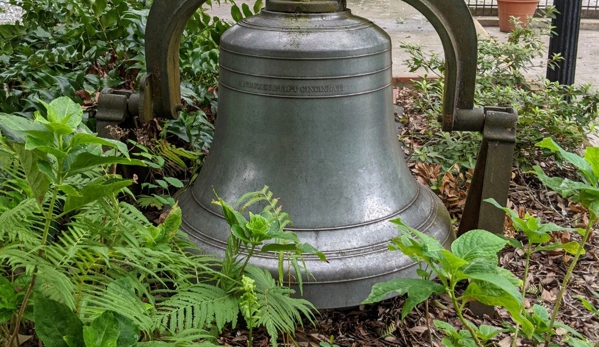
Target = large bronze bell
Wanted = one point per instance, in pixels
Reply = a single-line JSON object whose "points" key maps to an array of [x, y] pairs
{"points": [[305, 107]]}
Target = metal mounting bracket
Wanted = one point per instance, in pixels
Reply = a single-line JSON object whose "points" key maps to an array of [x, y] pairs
{"points": [[115, 106], [492, 172]]}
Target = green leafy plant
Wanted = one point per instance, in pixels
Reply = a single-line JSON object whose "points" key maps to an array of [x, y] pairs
{"points": [[166, 162], [585, 191], [329, 343], [275, 309], [58, 326], [472, 261], [193, 128], [588, 305], [249, 306], [544, 109], [65, 236], [74, 49], [241, 286], [538, 239], [66, 48]]}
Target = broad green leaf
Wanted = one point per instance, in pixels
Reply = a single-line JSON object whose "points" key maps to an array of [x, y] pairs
{"points": [[109, 18], [477, 244], [565, 187], [47, 169], [500, 282], [128, 332], [478, 265], [231, 215], [37, 180], [55, 323], [85, 139], [93, 192], [274, 232], [575, 342], [452, 262], [487, 332], [58, 128], [65, 111], [173, 221], [570, 247], [541, 314], [16, 127], [446, 328], [591, 155], [69, 190], [8, 300], [424, 247], [85, 161], [418, 290], [578, 162], [175, 182], [588, 305], [239, 233], [481, 293], [535, 231], [590, 200], [246, 10], [98, 7], [447, 342], [102, 332], [32, 143], [44, 136]]}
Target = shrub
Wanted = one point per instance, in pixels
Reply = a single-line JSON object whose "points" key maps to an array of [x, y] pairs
{"points": [[547, 109]]}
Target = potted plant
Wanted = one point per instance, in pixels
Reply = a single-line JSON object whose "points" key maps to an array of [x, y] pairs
{"points": [[521, 9]]}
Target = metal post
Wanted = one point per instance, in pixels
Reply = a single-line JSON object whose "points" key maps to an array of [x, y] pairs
{"points": [[567, 27]]}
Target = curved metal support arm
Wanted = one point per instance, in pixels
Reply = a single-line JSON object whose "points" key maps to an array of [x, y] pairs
{"points": [[453, 22], [166, 22]]}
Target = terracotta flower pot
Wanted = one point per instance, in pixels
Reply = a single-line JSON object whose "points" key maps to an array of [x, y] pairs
{"points": [[521, 9]]}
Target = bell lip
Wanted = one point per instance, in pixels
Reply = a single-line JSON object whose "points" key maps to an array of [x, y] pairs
{"points": [[314, 6]]}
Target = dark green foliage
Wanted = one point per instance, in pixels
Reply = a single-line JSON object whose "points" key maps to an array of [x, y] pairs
{"points": [[62, 47], [56, 325], [472, 261], [198, 306], [546, 109], [77, 48], [263, 300], [66, 237]]}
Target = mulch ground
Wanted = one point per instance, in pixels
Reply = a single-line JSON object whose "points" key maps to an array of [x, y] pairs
{"points": [[381, 324]]}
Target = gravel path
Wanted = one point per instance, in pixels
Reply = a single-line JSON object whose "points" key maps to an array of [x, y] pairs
{"points": [[9, 14]]}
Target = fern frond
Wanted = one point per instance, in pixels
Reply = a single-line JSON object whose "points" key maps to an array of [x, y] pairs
{"points": [[68, 246], [172, 155], [119, 296], [252, 198], [56, 285], [198, 307], [16, 258], [192, 337], [22, 223], [51, 282], [278, 311]]}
